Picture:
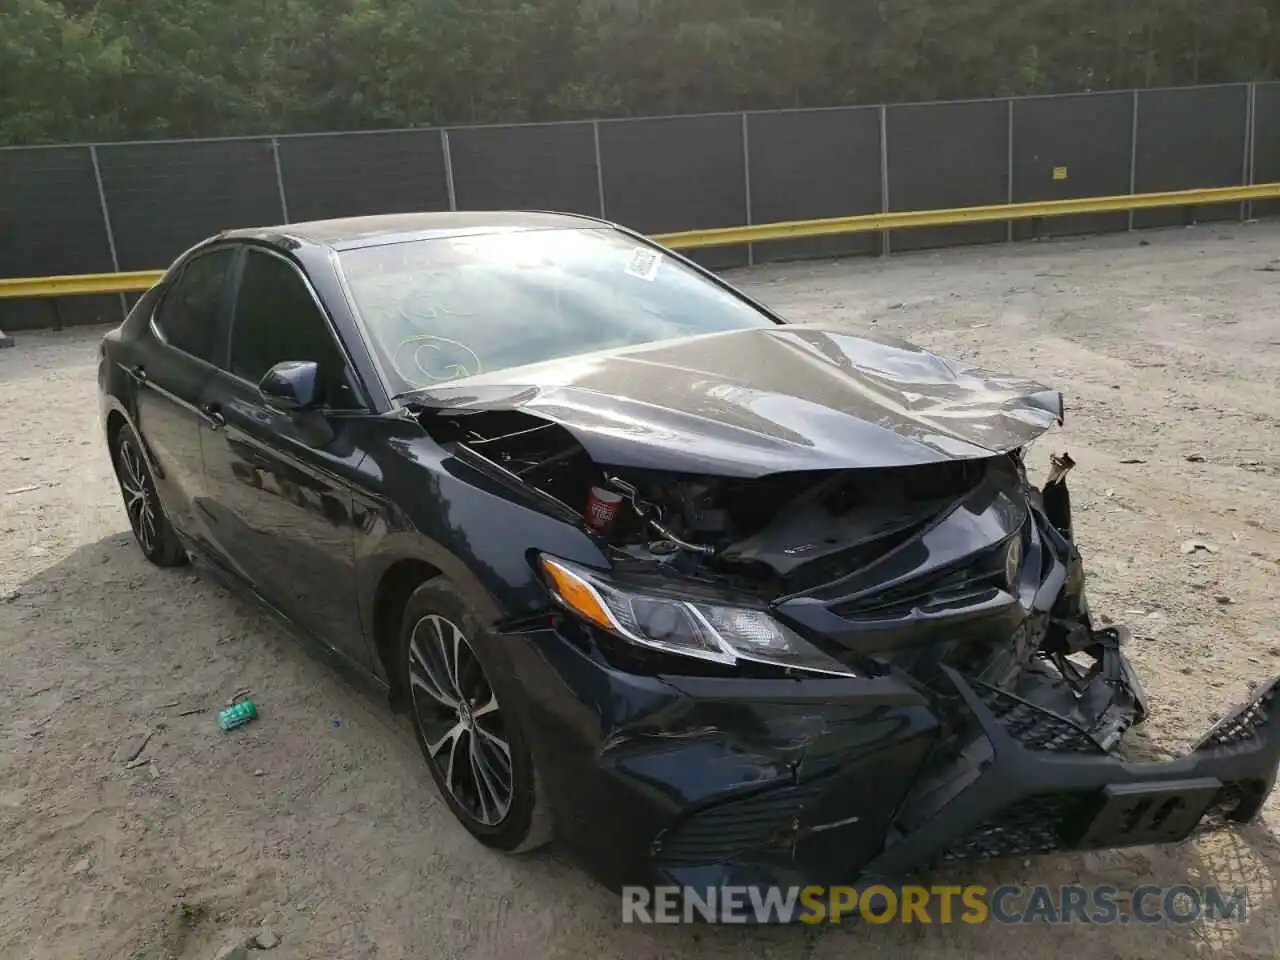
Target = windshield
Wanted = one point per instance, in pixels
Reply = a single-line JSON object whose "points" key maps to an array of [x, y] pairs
{"points": [[441, 309]]}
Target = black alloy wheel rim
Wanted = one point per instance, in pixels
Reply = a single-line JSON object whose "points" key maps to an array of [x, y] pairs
{"points": [[461, 724], [139, 495]]}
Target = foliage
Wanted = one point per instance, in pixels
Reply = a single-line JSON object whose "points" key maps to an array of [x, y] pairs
{"points": [[121, 69]]}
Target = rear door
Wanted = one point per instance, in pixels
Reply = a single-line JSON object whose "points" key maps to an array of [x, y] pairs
{"points": [[280, 485], [171, 362]]}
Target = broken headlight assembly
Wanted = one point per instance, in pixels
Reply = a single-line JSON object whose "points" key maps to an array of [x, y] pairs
{"points": [[684, 626]]}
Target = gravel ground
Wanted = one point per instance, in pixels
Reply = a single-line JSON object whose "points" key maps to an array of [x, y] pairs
{"points": [[320, 818]]}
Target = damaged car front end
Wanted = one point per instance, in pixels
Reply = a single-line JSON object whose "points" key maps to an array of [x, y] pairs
{"points": [[826, 629]]}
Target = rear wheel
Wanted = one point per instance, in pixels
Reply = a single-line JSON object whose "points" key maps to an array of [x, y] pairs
{"points": [[466, 717], [151, 528]]}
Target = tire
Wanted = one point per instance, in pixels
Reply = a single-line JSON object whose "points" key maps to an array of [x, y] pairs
{"points": [[475, 744], [151, 528]]}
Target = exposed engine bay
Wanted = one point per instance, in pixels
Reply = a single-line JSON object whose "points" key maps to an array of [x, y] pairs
{"points": [[777, 533], [787, 534]]}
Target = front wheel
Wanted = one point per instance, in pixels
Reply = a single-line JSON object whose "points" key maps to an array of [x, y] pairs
{"points": [[464, 713], [151, 528]]}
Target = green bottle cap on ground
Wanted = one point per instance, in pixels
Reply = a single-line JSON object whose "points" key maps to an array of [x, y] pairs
{"points": [[237, 714]]}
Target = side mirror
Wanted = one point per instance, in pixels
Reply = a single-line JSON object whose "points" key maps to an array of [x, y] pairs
{"points": [[292, 386]]}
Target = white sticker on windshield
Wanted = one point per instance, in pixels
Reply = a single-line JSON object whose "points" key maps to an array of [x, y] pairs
{"points": [[644, 263]]}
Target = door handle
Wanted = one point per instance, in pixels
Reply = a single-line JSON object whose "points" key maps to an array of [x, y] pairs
{"points": [[214, 412]]}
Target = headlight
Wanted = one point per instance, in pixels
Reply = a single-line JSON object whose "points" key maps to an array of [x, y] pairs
{"points": [[690, 628]]}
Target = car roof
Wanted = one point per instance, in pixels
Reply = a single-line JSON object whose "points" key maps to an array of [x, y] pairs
{"points": [[351, 232]]}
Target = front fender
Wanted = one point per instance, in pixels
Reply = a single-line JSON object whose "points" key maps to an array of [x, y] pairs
{"points": [[425, 505]]}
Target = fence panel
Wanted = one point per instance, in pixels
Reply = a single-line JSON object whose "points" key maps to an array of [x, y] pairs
{"points": [[537, 167], [1266, 144], [165, 197], [948, 155], [351, 175], [677, 173], [808, 164], [1070, 147], [656, 174], [1188, 138], [51, 223]]}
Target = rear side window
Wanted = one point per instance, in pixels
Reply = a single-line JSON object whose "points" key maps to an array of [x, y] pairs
{"points": [[277, 319], [190, 314]]}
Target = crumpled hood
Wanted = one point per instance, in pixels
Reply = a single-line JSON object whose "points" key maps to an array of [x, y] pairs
{"points": [[752, 402]]}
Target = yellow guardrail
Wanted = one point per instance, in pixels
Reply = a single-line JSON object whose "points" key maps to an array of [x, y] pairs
{"points": [[80, 283], [875, 222], [140, 280]]}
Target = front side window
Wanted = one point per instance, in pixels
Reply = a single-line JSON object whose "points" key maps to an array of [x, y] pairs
{"points": [[277, 319], [189, 316], [440, 309]]}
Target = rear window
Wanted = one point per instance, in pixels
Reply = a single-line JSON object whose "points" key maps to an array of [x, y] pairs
{"points": [[190, 315], [441, 309]]}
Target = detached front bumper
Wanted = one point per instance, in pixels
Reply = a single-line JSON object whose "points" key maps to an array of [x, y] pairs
{"points": [[1030, 782], [1018, 780], [710, 782]]}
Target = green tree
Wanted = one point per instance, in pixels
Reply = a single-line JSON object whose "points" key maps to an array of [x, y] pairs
{"points": [[118, 69]]}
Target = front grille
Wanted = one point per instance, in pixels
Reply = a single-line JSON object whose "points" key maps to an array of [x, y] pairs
{"points": [[970, 582], [831, 568], [1243, 726], [1033, 727], [723, 832], [1029, 827]]}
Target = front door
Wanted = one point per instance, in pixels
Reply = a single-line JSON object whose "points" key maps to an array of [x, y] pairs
{"points": [[280, 483]]}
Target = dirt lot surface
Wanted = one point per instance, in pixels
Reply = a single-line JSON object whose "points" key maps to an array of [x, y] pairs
{"points": [[320, 818]]}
